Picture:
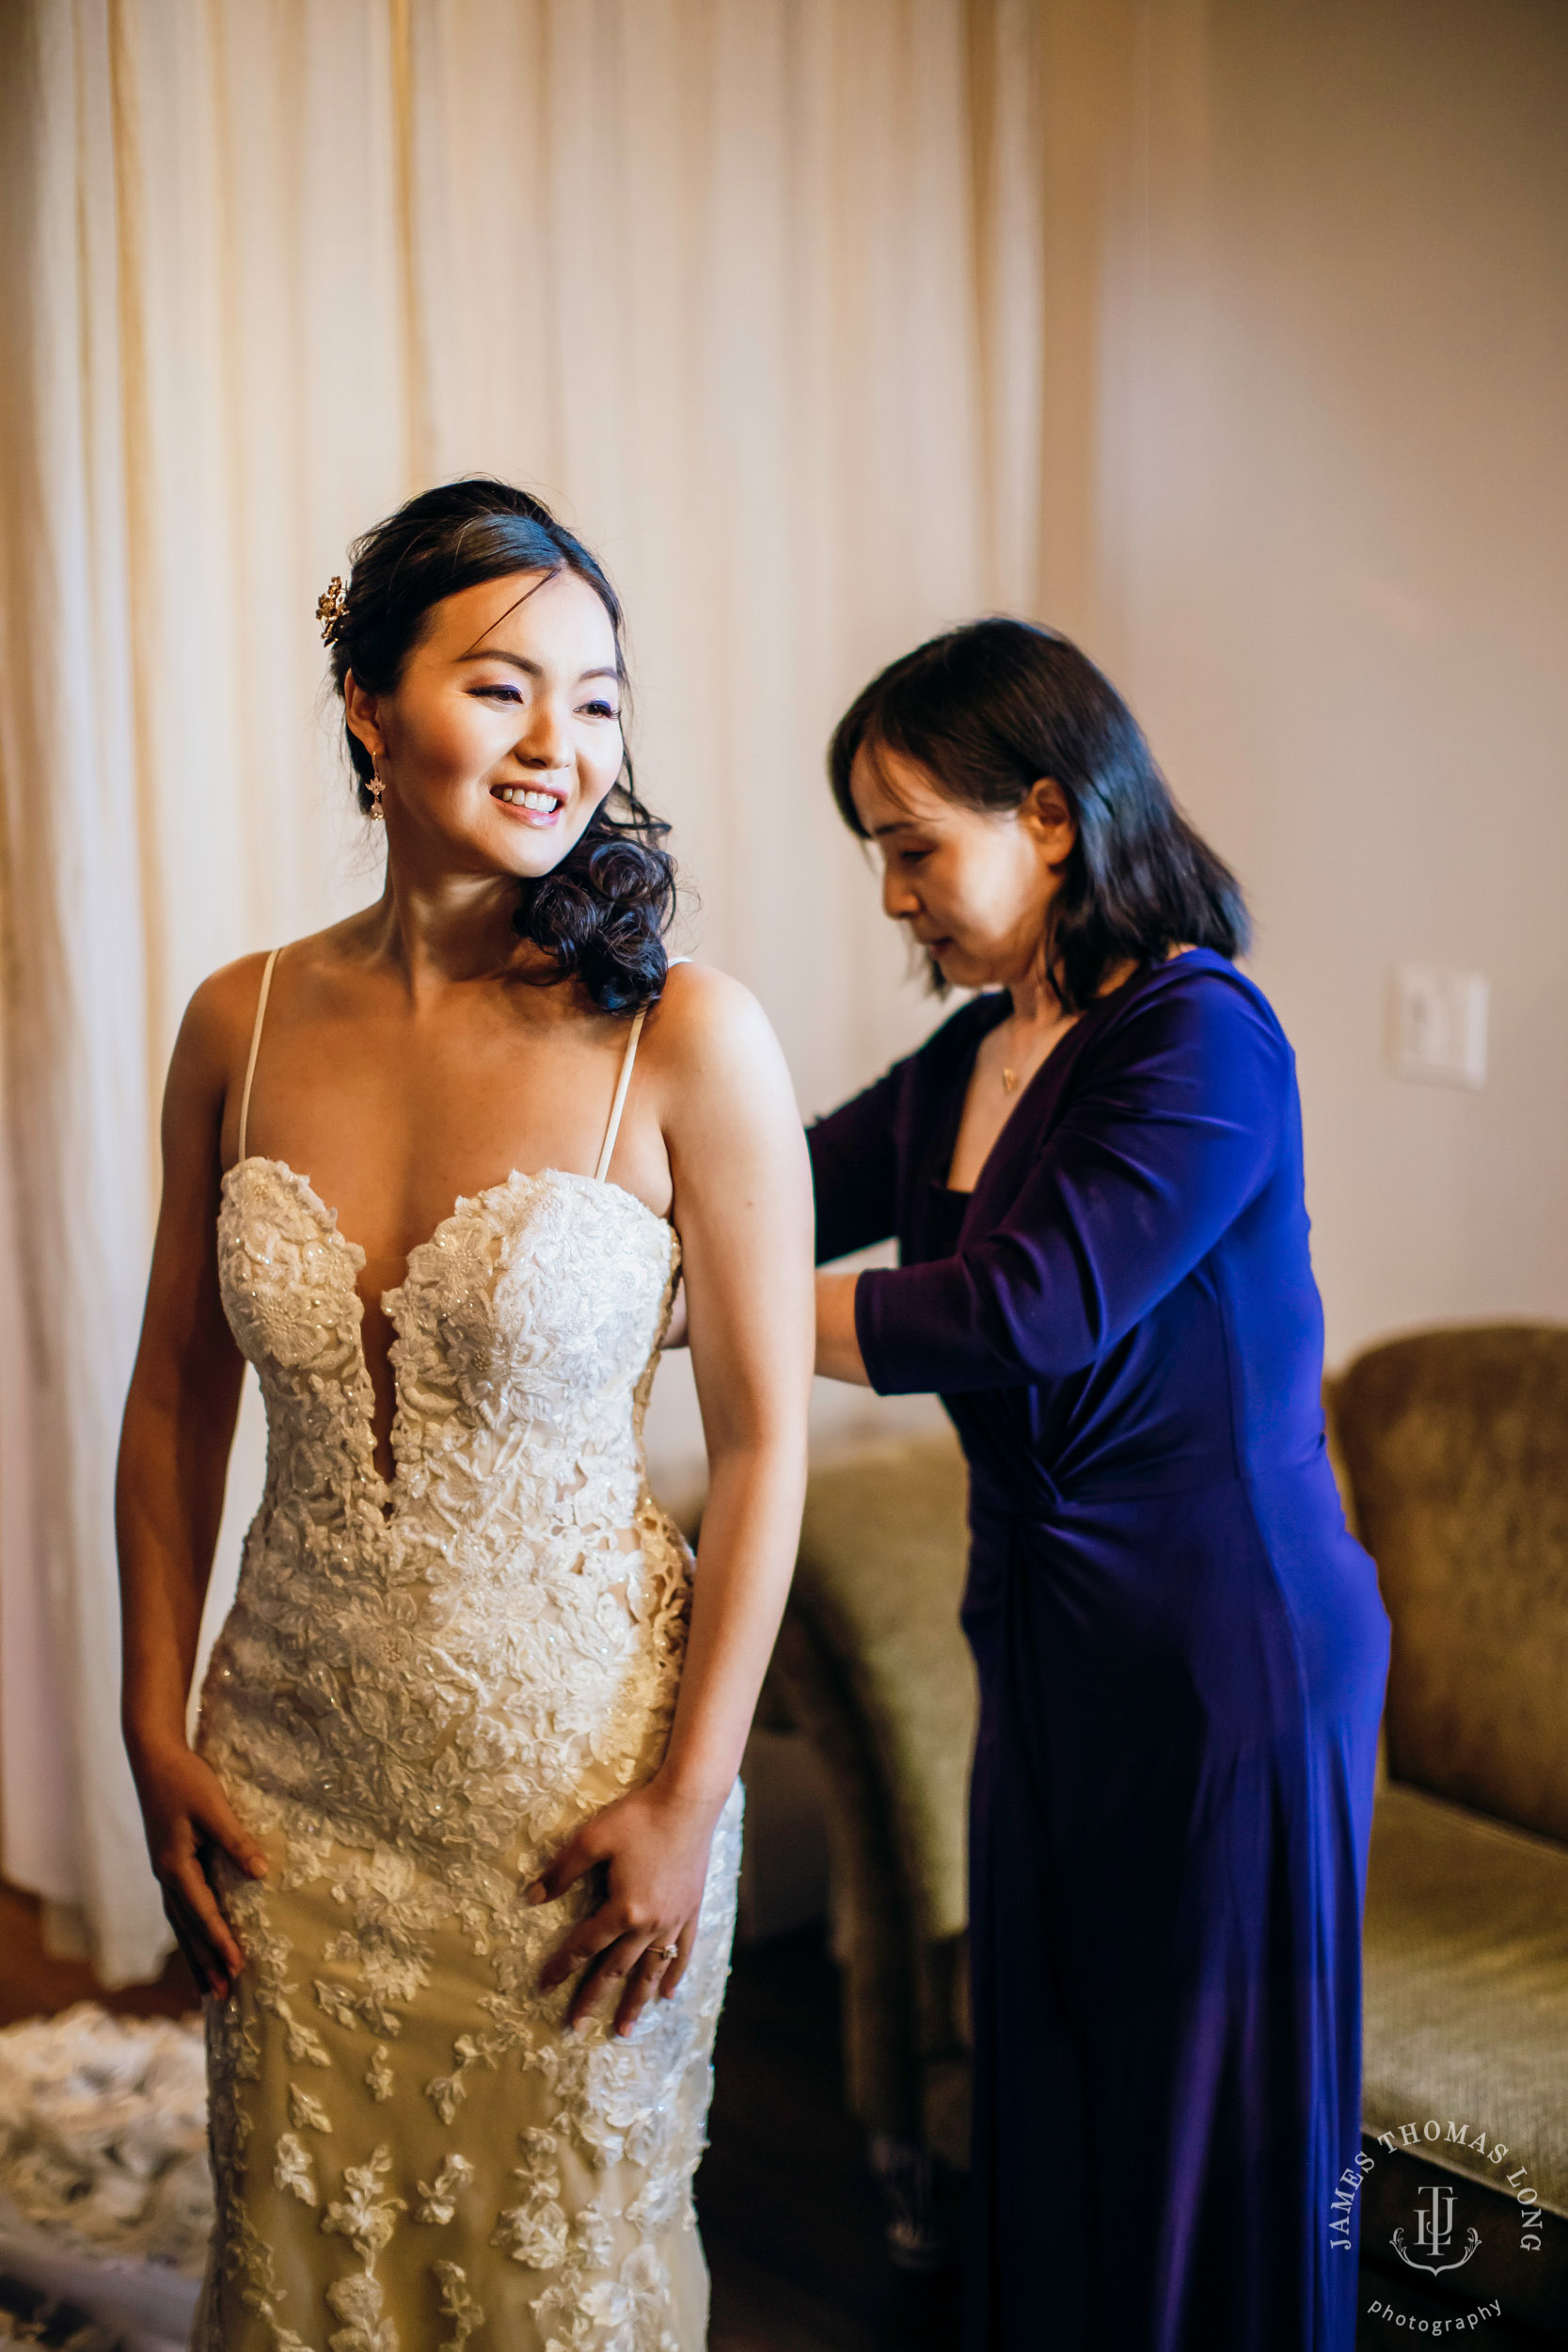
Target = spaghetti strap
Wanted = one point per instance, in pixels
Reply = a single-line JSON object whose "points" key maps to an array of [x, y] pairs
{"points": [[608, 1151], [254, 1042]]}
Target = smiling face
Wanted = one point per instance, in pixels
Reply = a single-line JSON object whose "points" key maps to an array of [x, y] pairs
{"points": [[502, 735], [974, 885]]}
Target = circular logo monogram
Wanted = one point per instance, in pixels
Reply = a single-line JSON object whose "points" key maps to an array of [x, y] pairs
{"points": [[1445, 2251]]}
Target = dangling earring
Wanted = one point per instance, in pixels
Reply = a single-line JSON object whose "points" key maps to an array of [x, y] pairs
{"points": [[375, 787]]}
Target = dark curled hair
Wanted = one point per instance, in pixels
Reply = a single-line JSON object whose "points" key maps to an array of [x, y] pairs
{"points": [[603, 912], [990, 708]]}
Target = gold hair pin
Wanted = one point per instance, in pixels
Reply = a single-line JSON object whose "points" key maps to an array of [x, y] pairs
{"points": [[332, 610]]}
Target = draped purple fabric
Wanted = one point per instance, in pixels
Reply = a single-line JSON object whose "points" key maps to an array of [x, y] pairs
{"points": [[1181, 1656]]}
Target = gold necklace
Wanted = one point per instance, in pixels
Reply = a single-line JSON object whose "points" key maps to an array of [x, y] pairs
{"points": [[1009, 1080]]}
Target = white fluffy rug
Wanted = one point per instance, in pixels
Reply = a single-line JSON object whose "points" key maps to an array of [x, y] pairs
{"points": [[105, 2201]]}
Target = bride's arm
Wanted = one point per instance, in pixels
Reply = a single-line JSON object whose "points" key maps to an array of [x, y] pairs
{"points": [[742, 1206], [743, 1209], [168, 1497]]}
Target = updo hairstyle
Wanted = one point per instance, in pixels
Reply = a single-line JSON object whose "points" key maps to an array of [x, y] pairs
{"points": [[988, 709], [603, 912]]}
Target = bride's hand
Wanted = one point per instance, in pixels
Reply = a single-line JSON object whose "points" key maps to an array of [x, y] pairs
{"points": [[653, 1846], [187, 1814]]}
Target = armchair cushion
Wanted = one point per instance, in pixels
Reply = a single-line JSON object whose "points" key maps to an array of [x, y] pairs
{"points": [[1467, 1989]]}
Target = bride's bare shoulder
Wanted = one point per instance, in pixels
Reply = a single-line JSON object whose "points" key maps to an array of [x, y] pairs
{"points": [[721, 1092], [708, 1028], [222, 1012], [701, 1009]]}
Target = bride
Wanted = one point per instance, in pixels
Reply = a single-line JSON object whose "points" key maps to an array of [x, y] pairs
{"points": [[465, 1778]]}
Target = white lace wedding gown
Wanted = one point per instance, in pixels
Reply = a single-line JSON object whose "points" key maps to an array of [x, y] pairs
{"points": [[423, 1687]]}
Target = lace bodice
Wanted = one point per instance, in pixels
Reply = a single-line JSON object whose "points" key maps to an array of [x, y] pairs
{"points": [[431, 1658]]}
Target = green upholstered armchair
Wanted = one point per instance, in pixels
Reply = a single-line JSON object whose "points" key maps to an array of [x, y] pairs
{"points": [[1453, 1448]]}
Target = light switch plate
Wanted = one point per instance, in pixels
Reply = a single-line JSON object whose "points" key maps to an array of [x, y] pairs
{"points": [[1437, 1026]]}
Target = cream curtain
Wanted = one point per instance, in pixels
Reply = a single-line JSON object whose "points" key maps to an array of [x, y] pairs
{"points": [[765, 293]]}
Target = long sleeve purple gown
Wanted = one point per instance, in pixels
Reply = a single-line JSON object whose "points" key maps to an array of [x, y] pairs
{"points": [[1181, 1655]]}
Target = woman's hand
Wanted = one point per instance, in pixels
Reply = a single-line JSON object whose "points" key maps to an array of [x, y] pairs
{"points": [[653, 1846], [187, 1815]]}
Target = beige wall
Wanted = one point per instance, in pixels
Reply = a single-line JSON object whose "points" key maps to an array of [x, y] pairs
{"points": [[1331, 571]]}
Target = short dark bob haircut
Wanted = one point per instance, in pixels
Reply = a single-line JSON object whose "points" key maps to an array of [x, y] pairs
{"points": [[603, 912], [987, 710]]}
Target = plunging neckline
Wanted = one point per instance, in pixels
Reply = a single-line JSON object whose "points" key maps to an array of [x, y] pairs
{"points": [[387, 1490], [966, 1192]]}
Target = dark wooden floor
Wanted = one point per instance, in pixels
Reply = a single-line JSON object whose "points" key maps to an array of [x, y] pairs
{"points": [[791, 2218], [34, 1984]]}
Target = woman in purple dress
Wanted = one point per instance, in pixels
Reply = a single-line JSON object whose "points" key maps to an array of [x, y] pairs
{"points": [[1094, 1174]]}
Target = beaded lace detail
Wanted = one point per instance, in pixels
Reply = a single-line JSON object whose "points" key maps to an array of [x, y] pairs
{"points": [[423, 1686]]}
